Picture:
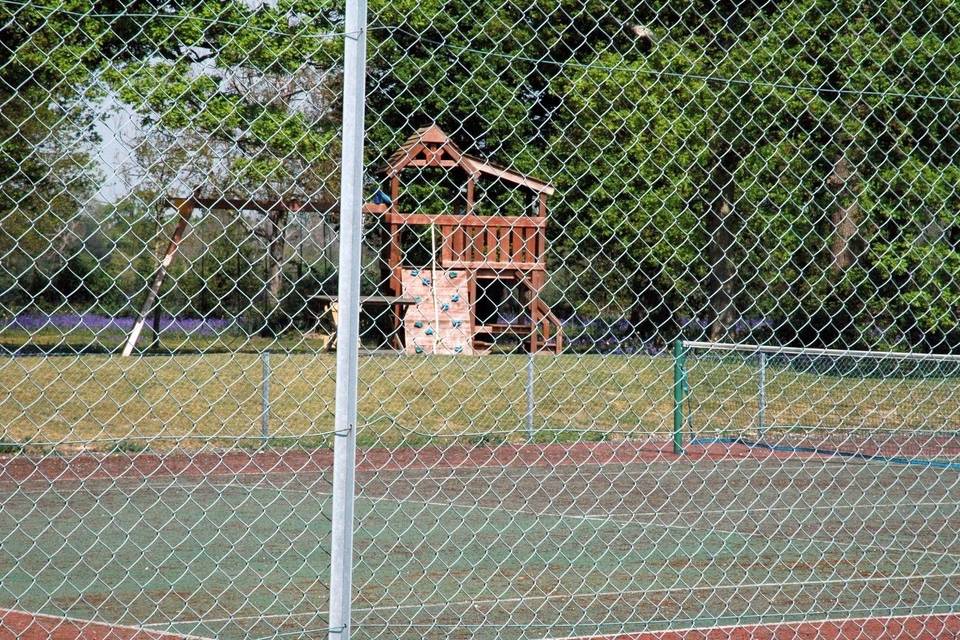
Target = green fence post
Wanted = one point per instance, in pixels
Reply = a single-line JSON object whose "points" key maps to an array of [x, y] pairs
{"points": [[678, 384]]}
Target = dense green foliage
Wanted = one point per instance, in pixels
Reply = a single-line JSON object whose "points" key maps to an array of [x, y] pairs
{"points": [[749, 170]]}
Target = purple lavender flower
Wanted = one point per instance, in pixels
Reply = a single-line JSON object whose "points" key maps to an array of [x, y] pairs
{"points": [[97, 323]]}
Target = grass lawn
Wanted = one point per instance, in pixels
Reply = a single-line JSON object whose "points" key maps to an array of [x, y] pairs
{"points": [[98, 401], [724, 395], [107, 402]]}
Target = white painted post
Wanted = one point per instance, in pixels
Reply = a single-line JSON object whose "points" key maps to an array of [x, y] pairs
{"points": [[348, 327], [762, 397], [184, 211], [265, 396], [530, 398]]}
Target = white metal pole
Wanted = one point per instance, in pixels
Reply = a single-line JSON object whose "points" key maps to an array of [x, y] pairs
{"points": [[530, 397], [433, 288], [265, 396], [348, 327], [762, 399]]}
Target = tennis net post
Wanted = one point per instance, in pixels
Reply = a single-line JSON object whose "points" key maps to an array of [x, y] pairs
{"points": [[678, 384]]}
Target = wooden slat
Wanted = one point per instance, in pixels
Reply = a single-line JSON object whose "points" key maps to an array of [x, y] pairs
{"points": [[458, 239], [466, 221], [505, 234], [262, 206], [476, 244], [491, 264], [517, 243], [531, 245], [368, 300], [446, 250]]}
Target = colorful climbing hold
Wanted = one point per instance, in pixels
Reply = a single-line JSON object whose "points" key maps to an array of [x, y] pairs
{"points": [[455, 297], [445, 307], [429, 331], [457, 323], [417, 299], [418, 324], [458, 349], [415, 273], [425, 281], [418, 349], [452, 275]]}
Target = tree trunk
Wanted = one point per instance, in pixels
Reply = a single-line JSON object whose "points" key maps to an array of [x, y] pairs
{"points": [[845, 219], [275, 236], [721, 224]]}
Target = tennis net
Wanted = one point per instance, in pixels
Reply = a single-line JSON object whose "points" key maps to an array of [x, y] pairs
{"points": [[873, 405]]}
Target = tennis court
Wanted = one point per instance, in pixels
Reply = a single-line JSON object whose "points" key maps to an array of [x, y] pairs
{"points": [[523, 541]]}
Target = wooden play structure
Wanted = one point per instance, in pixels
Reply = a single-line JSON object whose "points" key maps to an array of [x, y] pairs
{"points": [[478, 262], [484, 273]]}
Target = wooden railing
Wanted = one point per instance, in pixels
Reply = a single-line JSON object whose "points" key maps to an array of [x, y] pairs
{"points": [[478, 242]]}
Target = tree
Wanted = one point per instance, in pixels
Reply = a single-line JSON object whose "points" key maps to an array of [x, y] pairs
{"points": [[45, 137], [256, 89]]}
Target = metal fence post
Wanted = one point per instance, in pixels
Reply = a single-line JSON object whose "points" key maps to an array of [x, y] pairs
{"points": [[348, 329], [762, 397], [678, 383], [265, 396], [530, 398]]}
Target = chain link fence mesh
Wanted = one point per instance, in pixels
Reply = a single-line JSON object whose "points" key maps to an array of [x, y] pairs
{"points": [[658, 319]]}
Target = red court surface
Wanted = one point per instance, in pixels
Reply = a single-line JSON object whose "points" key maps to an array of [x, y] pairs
{"points": [[920, 627], [86, 466]]}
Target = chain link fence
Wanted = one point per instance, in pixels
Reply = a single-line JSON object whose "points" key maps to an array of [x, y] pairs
{"points": [[648, 319]]}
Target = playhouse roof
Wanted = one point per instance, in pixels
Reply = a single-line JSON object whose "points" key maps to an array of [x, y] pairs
{"points": [[433, 137]]}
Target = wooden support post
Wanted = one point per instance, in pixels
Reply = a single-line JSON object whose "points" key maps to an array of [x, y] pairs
{"points": [[394, 193], [470, 194], [393, 259], [185, 210]]}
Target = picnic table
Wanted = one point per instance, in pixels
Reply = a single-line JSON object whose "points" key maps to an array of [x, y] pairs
{"points": [[327, 310]]}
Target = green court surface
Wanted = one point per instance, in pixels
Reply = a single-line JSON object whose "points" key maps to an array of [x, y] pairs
{"points": [[524, 552]]}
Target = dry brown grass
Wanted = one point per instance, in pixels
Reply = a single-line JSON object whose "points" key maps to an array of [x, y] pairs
{"points": [[99, 401], [94, 401]]}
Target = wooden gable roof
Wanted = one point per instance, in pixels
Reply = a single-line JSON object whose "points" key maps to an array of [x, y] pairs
{"points": [[430, 147]]}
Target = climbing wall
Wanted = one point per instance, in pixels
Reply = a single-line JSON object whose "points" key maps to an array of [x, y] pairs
{"points": [[446, 300]]}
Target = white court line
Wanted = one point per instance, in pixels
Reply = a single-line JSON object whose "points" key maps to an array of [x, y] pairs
{"points": [[613, 517], [734, 627], [854, 506], [573, 596], [652, 524], [139, 483], [85, 622], [547, 597], [158, 483], [281, 489], [647, 524]]}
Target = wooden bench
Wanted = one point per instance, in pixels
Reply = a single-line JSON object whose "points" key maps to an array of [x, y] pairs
{"points": [[328, 315]]}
